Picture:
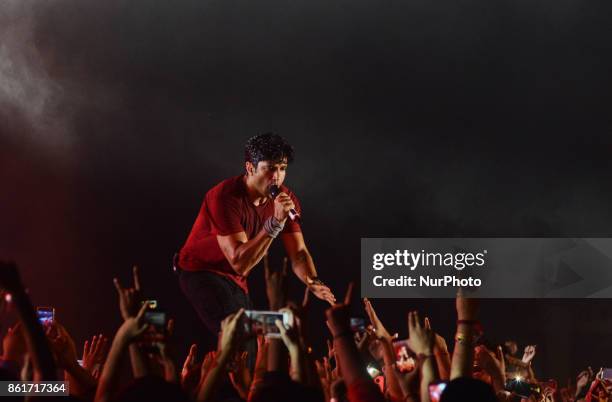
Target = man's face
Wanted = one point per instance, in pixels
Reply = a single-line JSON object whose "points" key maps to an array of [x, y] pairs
{"points": [[265, 174]]}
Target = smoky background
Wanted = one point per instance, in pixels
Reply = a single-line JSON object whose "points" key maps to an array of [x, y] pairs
{"points": [[417, 118]]}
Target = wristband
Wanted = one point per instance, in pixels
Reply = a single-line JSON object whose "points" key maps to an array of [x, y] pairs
{"points": [[465, 339], [273, 227], [315, 281]]}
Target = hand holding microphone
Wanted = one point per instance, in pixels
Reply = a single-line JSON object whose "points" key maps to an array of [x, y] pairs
{"points": [[283, 205]]}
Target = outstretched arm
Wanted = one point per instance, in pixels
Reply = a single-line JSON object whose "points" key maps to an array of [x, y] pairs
{"points": [[303, 266]]}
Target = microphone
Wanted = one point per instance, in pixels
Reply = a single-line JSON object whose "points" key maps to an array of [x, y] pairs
{"points": [[274, 191]]}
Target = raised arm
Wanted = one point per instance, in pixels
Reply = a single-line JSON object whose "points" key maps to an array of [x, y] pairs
{"points": [[229, 341], [360, 385], [421, 341], [131, 329], [129, 299], [463, 354], [42, 358]]}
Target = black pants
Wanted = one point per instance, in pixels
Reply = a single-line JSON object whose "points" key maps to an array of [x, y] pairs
{"points": [[214, 297]]}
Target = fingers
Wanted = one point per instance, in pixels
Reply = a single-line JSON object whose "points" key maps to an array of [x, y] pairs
{"points": [[500, 355], [349, 293], [191, 356], [136, 278], [230, 320], [118, 285], [306, 298], [193, 350], [281, 328], [238, 315], [413, 321], [85, 349], [427, 323], [142, 311]]}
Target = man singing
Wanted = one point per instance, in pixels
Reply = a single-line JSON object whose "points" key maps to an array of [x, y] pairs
{"points": [[237, 223]]}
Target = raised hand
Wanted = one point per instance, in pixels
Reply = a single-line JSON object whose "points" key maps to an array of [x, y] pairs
{"points": [[529, 353], [338, 317], [14, 345], [276, 284], [62, 345], [441, 352], [133, 327], [230, 336], [379, 329], [321, 290], [584, 378], [207, 364], [240, 376], [492, 363], [191, 370], [421, 339], [129, 297], [94, 352], [290, 336], [440, 346]]}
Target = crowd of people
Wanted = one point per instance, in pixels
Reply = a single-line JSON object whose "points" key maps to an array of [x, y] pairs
{"points": [[361, 364]]}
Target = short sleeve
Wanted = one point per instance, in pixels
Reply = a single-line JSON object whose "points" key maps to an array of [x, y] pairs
{"points": [[293, 226], [224, 213]]}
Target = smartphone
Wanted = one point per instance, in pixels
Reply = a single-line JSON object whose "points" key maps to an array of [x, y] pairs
{"points": [[373, 370], [435, 390], [606, 374], [157, 319], [46, 315], [404, 358], [522, 388], [257, 322], [358, 325]]}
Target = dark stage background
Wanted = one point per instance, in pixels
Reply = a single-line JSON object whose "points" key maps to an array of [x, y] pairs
{"points": [[409, 118]]}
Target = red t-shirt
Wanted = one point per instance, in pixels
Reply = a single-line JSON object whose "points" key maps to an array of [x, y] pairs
{"points": [[226, 209]]}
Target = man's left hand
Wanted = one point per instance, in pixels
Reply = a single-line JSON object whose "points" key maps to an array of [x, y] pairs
{"points": [[321, 290]]}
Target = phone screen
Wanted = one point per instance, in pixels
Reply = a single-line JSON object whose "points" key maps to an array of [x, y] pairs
{"points": [[156, 319], [357, 324], [435, 391], [263, 322], [404, 361], [373, 371], [46, 315]]}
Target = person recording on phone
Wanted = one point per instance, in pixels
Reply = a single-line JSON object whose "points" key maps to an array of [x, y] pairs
{"points": [[238, 221]]}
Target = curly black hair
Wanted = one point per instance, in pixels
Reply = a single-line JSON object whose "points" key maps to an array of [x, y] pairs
{"points": [[267, 147]]}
